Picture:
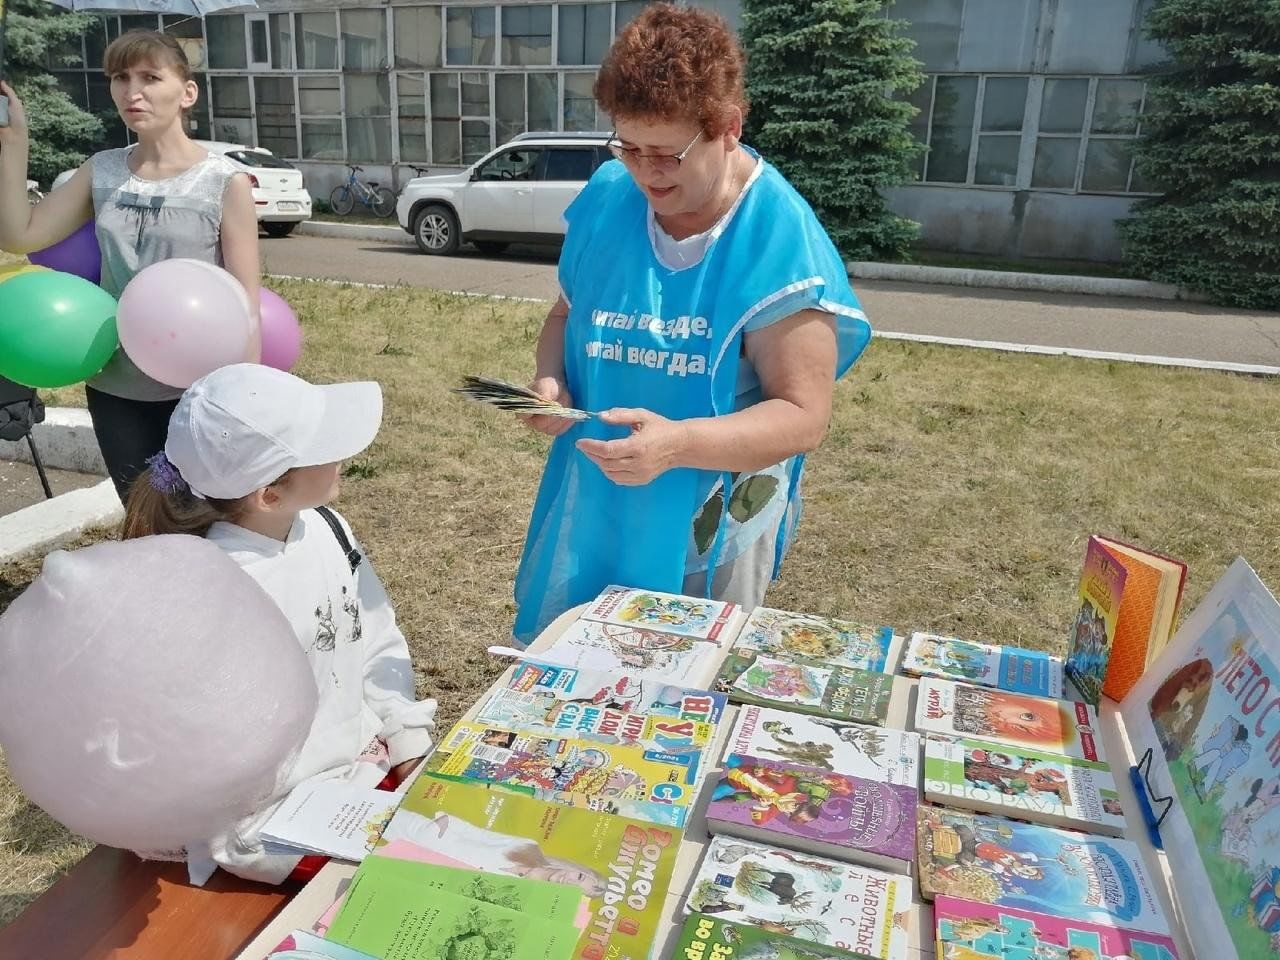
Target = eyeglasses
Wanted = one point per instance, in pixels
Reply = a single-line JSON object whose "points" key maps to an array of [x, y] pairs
{"points": [[662, 162]]}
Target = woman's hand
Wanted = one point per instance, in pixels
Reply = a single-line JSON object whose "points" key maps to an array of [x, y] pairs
{"points": [[553, 389], [655, 445], [17, 129]]}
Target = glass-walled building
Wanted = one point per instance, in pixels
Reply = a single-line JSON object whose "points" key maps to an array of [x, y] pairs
{"points": [[1030, 108]]}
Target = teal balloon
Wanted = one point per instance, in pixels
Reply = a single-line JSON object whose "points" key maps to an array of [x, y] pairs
{"points": [[55, 329]]}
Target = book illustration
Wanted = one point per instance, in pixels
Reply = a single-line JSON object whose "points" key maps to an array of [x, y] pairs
{"points": [[968, 930], [783, 634], [1209, 709], [1032, 867], [624, 866], [551, 683], [804, 896], [826, 808], [872, 753], [331, 817], [304, 945], [625, 779], [693, 617], [1093, 634], [515, 399], [983, 664], [711, 938], [1040, 787], [1019, 719], [611, 647], [806, 686]]}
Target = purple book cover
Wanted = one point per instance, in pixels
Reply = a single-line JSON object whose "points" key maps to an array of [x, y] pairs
{"points": [[816, 805]]}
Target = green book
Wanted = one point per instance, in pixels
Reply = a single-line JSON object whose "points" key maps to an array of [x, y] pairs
{"points": [[707, 938], [802, 685], [389, 913]]}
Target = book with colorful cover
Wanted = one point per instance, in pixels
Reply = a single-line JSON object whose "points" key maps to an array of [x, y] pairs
{"points": [[1040, 787], [626, 779], [636, 651], [624, 866], [710, 938], [820, 811], [305, 945], [1010, 863], [1067, 727], [1128, 604], [855, 749], [551, 683], [783, 634], [694, 617], [388, 913], [806, 686], [330, 817], [804, 896], [983, 664], [1208, 710], [968, 930]]}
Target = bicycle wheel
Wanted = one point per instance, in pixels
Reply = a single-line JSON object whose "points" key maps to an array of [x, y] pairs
{"points": [[341, 200], [384, 202]]}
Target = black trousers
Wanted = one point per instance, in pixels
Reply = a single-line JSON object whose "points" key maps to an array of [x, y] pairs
{"points": [[128, 432]]}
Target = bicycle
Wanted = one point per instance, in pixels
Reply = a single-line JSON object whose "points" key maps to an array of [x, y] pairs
{"points": [[345, 195]]}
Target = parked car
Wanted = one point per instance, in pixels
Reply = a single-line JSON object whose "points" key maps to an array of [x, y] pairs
{"points": [[517, 193]]}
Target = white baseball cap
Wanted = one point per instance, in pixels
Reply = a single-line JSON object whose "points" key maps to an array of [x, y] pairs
{"points": [[244, 426]]}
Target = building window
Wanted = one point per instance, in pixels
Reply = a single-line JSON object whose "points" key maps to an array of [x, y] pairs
{"points": [[198, 117], [226, 42], [96, 38], [476, 134], [368, 116], [446, 118], [232, 109], [317, 35], [624, 11], [526, 34], [150, 21], [508, 106], [579, 102], [320, 107], [411, 100], [544, 99], [1004, 100], [951, 130], [280, 29], [469, 33], [275, 109], [418, 34], [1094, 156], [584, 33], [364, 40], [259, 47]]}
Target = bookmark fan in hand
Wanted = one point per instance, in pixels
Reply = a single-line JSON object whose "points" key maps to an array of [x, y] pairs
{"points": [[515, 399]]}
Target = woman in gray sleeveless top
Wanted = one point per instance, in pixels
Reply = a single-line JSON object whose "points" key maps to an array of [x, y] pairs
{"points": [[164, 197]]}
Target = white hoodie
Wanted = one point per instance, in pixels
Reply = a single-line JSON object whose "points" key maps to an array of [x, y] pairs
{"points": [[347, 629]]}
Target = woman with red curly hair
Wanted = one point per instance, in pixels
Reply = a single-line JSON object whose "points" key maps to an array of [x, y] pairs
{"points": [[705, 315]]}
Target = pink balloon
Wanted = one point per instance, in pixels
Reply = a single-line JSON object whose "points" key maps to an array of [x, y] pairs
{"points": [[281, 334], [180, 319]]}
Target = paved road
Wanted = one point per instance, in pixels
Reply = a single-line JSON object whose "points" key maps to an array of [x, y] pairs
{"points": [[1114, 324]]}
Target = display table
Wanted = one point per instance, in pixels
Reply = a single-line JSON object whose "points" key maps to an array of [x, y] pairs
{"points": [[331, 881]]}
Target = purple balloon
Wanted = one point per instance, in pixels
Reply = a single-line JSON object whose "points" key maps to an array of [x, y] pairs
{"points": [[281, 334], [78, 254]]}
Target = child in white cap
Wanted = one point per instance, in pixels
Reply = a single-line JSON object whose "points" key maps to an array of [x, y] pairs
{"points": [[252, 457]]}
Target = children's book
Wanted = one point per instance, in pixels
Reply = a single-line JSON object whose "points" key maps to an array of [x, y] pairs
{"points": [[808, 897], [1040, 787], [983, 664], [550, 683], [968, 930], [710, 938], [624, 866], [1209, 711], [1010, 863], [872, 753], [1128, 603], [820, 811], [391, 916], [806, 686], [626, 779], [304, 945], [636, 651], [332, 817], [1067, 727], [782, 634], [693, 617]]}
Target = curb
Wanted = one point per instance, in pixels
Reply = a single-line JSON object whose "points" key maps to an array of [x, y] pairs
{"points": [[65, 440], [901, 272]]}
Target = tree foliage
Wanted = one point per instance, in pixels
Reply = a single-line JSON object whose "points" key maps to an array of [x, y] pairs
{"points": [[827, 81], [1212, 148]]}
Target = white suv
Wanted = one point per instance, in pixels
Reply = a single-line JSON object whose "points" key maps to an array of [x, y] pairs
{"points": [[517, 193]]}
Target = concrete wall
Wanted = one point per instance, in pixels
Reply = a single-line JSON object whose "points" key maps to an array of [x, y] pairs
{"points": [[1014, 223]]}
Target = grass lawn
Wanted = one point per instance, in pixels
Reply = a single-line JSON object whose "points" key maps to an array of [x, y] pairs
{"points": [[954, 492]]}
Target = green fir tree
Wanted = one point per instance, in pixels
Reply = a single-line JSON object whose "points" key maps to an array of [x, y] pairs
{"points": [[1212, 148], [37, 39], [828, 81]]}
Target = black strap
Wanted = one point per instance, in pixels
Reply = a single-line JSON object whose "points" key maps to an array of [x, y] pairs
{"points": [[350, 552]]}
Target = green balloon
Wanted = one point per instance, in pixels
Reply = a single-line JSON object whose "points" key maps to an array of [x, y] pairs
{"points": [[55, 329]]}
